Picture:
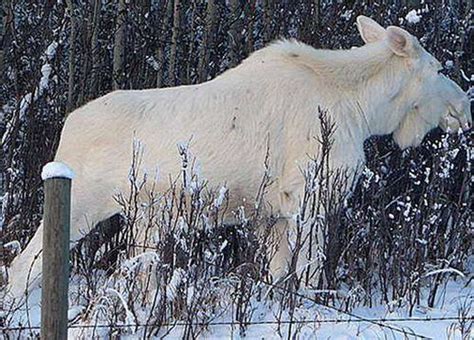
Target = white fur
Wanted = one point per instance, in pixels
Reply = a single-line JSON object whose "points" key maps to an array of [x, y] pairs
{"points": [[388, 85]]}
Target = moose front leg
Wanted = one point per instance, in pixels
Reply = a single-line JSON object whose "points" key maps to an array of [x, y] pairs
{"points": [[299, 252], [278, 251], [296, 252]]}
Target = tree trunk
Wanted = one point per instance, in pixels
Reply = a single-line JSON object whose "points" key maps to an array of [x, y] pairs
{"points": [[235, 32], [190, 52], [207, 41], [468, 6], [119, 47], [4, 22], [172, 79], [86, 52], [94, 87], [160, 55], [160, 51], [72, 56], [315, 38], [141, 78], [3, 29], [6, 29], [250, 17], [268, 6]]}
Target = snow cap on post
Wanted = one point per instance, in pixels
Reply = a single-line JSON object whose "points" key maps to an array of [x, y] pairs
{"points": [[55, 170]]}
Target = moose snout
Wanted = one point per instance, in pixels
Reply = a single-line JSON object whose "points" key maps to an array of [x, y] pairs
{"points": [[460, 113], [465, 114], [468, 124]]}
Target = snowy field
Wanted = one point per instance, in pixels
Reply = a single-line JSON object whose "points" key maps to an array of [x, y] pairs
{"points": [[453, 311]]}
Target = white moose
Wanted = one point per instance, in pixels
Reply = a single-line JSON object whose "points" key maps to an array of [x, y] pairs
{"points": [[389, 85]]}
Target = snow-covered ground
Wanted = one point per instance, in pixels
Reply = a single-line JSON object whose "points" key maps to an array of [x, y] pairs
{"points": [[322, 323], [311, 320]]}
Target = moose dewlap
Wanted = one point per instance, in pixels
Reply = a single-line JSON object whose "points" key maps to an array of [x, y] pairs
{"points": [[389, 85]]}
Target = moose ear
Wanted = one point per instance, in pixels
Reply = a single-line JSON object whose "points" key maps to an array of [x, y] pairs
{"points": [[400, 41], [369, 30]]}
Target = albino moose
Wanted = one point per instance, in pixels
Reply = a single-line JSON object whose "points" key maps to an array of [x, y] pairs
{"points": [[389, 85]]}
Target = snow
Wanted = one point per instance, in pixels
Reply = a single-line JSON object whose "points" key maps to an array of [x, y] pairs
{"points": [[412, 17], [153, 63], [220, 198], [317, 322], [347, 15], [470, 93], [466, 78], [51, 50], [183, 226], [74, 312], [25, 103], [56, 169], [14, 246], [223, 245], [44, 81], [446, 271], [43, 85], [312, 320], [129, 319], [176, 280]]}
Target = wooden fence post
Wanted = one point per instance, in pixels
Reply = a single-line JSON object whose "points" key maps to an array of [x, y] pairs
{"points": [[55, 277]]}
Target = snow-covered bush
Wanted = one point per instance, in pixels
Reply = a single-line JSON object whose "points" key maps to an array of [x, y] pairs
{"points": [[173, 260], [409, 224]]}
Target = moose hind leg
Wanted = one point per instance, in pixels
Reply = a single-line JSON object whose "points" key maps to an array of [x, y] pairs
{"points": [[91, 204], [26, 267], [89, 207]]}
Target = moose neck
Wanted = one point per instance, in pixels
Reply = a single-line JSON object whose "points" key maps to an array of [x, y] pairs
{"points": [[341, 68], [368, 81], [349, 68], [381, 94]]}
